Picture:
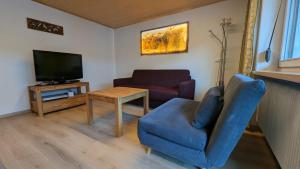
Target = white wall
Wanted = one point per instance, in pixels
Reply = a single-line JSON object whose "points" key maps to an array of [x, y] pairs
{"points": [[109, 53], [93, 41], [203, 50]]}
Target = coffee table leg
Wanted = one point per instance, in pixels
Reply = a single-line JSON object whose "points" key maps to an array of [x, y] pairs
{"points": [[118, 118], [89, 107], [146, 103]]}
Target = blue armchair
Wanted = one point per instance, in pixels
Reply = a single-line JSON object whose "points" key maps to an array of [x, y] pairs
{"points": [[169, 130]]}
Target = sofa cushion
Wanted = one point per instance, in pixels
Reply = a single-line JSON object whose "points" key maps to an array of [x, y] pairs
{"points": [[162, 93], [166, 78], [172, 121], [135, 86], [208, 111], [158, 92]]}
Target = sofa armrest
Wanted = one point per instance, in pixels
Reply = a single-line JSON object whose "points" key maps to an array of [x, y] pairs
{"points": [[122, 81], [187, 89]]}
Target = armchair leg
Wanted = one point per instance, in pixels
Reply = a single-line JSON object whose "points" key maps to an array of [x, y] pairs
{"points": [[148, 150]]}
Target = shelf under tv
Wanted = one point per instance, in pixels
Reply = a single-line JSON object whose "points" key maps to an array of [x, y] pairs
{"points": [[41, 107]]}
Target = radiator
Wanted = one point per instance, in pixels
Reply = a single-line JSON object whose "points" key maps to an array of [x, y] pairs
{"points": [[279, 119]]}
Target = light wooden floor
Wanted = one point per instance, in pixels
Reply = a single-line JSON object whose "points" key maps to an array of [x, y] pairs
{"points": [[62, 140]]}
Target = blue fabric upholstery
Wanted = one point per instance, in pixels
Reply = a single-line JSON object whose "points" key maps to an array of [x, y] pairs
{"points": [[209, 109], [168, 128], [182, 153], [172, 121], [240, 100]]}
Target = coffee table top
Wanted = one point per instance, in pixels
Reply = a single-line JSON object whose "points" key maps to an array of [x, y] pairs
{"points": [[117, 92]]}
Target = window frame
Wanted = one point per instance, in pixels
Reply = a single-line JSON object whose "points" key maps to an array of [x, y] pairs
{"points": [[291, 18]]}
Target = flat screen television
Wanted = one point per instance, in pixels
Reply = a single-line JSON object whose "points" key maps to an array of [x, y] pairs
{"points": [[56, 66]]}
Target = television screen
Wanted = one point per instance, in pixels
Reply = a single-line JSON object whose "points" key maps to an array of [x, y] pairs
{"points": [[56, 66]]}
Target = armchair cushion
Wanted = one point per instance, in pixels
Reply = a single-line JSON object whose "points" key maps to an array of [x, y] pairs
{"points": [[172, 121], [209, 109], [242, 95], [168, 128]]}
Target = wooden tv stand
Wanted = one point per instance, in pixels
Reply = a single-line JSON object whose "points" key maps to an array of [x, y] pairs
{"points": [[41, 107]]}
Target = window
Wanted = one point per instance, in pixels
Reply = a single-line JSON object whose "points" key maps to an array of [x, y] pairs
{"points": [[292, 34]]}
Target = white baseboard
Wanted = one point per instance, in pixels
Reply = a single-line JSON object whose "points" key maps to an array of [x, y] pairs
{"points": [[14, 114]]}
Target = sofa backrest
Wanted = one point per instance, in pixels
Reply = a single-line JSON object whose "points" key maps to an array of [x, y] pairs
{"points": [[241, 98], [167, 78]]}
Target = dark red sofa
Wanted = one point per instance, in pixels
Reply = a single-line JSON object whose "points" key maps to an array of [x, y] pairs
{"points": [[163, 85]]}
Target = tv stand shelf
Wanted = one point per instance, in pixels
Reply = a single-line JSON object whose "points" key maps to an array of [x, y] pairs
{"points": [[41, 107]]}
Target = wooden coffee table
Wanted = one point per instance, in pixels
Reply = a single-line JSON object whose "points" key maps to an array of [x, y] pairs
{"points": [[117, 96]]}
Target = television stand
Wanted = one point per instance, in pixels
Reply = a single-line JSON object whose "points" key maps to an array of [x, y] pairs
{"points": [[72, 81], [47, 83], [41, 107]]}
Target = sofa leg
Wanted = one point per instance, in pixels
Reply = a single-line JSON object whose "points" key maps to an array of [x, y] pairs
{"points": [[148, 150]]}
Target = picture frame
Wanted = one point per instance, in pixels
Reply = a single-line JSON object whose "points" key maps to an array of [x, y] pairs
{"points": [[168, 39], [44, 26]]}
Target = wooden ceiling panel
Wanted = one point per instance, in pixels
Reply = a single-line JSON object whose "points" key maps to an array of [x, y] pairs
{"points": [[119, 13]]}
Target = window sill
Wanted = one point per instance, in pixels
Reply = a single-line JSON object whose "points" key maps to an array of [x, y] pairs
{"points": [[290, 63], [287, 76]]}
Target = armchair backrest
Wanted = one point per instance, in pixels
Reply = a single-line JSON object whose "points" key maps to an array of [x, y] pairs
{"points": [[168, 78], [241, 98]]}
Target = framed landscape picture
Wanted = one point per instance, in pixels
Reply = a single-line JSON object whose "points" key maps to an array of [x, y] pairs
{"points": [[164, 40]]}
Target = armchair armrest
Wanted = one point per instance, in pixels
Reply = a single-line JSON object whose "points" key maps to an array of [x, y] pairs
{"points": [[122, 81], [187, 89]]}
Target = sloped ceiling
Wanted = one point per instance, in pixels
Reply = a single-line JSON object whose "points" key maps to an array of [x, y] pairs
{"points": [[119, 13]]}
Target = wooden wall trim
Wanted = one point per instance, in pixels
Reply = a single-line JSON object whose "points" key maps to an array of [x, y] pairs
{"points": [[14, 114]]}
